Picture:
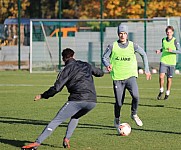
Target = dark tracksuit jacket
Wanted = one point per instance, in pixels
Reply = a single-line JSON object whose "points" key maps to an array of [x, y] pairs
{"points": [[77, 77]]}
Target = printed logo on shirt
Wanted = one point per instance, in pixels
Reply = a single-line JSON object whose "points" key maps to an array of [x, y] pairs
{"points": [[123, 58]]}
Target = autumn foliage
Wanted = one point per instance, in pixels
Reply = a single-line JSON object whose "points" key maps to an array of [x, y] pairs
{"points": [[90, 9]]}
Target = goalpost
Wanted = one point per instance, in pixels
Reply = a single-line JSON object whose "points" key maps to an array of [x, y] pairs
{"points": [[42, 57], [48, 38]]}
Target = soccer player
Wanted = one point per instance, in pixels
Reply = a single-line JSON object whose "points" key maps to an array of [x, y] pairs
{"points": [[120, 60], [170, 47], [77, 76]]}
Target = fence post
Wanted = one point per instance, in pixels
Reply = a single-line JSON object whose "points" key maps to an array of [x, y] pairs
{"points": [[145, 26], [90, 50], [101, 30], [59, 35], [19, 38]]}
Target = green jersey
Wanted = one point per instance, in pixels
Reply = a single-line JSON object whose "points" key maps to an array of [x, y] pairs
{"points": [[123, 61], [167, 57]]}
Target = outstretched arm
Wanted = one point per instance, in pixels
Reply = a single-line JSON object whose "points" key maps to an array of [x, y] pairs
{"points": [[97, 72], [106, 58], [144, 57], [57, 87]]}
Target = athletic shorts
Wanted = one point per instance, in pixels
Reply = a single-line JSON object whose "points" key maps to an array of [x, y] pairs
{"points": [[167, 69]]}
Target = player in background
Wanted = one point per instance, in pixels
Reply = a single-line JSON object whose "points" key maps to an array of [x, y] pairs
{"points": [[77, 76], [120, 60], [170, 47]]}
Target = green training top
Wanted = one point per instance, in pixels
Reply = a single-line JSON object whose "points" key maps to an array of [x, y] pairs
{"points": [[167, 57], [123, 61]]}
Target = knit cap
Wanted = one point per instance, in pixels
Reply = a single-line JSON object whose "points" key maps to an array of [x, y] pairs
{"points": [[122, 28]]}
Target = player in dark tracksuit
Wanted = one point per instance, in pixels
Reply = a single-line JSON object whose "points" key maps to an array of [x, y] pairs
{"points": [[77, 77]]}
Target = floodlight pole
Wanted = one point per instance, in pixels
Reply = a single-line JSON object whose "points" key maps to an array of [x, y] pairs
{"points": [[145, 26], [19, 38]]}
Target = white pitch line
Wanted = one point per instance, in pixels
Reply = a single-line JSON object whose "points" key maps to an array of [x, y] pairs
{"points": [[22, 85], [99, 87]]}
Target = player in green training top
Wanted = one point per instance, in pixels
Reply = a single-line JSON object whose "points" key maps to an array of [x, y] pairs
{"points": [[120, 60], [170, 47]]}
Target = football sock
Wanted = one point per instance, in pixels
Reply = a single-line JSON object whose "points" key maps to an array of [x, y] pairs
{"points": [[161, 89], [167, 92]]}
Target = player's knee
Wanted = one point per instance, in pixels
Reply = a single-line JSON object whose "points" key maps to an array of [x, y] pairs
{"points": [[118, 104], [162, 76], [136, 97]]}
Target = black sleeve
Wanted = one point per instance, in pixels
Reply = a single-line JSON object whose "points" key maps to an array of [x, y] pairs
{"points": [[97, 72], [60, 82]]}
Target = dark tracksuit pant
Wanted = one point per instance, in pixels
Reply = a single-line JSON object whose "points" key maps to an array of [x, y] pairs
{"points": [[71, 109], [120, 87]]}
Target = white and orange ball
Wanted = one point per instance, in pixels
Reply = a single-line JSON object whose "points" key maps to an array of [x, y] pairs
{"points": [[124, 129]]}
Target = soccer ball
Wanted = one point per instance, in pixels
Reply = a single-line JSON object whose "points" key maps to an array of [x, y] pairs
{"points": [[140, 71], [124, 129], [177, 71], [154, 71]]}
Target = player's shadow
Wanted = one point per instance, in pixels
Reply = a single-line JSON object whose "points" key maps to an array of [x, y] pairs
{"points": [[149, 130], [113, 102], [15, 143], [12, 120], [174, 108], [141, 105], [105, 96], [19, 143]]}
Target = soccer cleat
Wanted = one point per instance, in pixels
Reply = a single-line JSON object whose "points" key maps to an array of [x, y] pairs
{"points": [[159, 96], [116, 122], [66, 143], [166, 97], [137, 120], [32, 146]]}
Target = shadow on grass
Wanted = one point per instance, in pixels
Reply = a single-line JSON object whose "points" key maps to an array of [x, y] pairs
{"points": [[12, 120], [80, 125], [105, 96], [144, 105], [19, 143], [174, 108], [148, 130], [112, 103]]}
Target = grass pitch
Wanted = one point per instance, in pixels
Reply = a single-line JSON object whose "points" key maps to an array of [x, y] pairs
{"points": [[22, 119]]}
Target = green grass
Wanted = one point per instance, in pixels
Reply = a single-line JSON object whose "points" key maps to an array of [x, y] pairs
{"points": [[22, 119]]}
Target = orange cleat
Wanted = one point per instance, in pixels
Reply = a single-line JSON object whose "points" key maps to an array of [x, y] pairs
{"points": [[32, 146], [66, 143]]}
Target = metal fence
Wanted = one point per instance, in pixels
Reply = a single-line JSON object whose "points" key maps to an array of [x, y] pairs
{"points": [[89, 39]]}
